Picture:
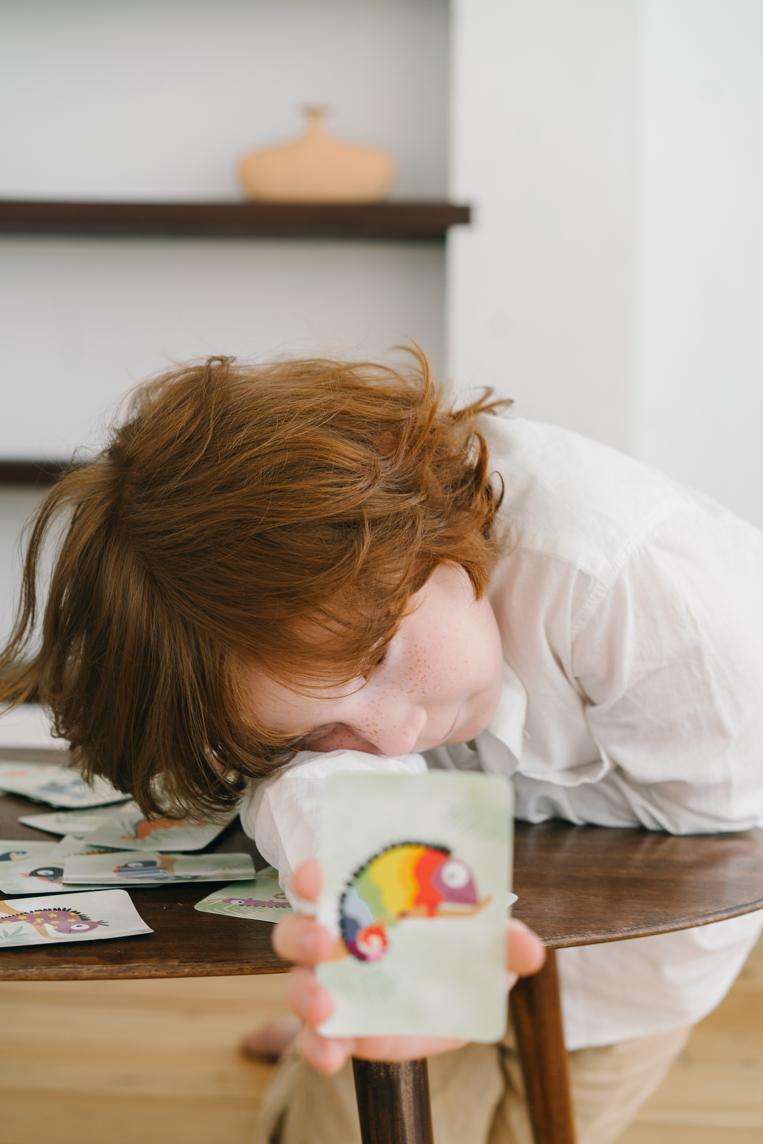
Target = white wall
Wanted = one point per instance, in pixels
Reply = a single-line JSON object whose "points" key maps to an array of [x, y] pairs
{"points": [[157, 99], [541, 290], [700, 373], [614, 280]]}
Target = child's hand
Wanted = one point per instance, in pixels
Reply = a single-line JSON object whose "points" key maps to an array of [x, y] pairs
{"points": [[300, 939]]}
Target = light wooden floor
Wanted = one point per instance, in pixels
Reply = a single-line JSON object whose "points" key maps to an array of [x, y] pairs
{"points": [[149, 1062]]}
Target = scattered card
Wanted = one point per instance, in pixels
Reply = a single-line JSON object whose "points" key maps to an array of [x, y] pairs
{"points": [[78, 917], [79, 822], [126, 868], [20, 850], [416, 871], [262, 900], [56, 785], [129, 829], [43, 873]]}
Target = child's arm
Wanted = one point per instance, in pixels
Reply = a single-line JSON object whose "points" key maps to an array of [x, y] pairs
{"points": [[301, 940], [671, 662], [281, 813]]}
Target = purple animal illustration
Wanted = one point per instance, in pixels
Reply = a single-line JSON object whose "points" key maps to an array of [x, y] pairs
{"points": [[271, 903], [59, 919]]}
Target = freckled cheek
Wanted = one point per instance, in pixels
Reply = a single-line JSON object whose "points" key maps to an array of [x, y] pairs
{"points": [[474, 658]]}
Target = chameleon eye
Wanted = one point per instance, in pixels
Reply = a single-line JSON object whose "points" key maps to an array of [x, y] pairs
{"points": [[455, 875], [80, 926]]}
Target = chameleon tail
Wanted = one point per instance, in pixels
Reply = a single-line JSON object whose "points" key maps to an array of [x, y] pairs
{"points": [[366, 943]]}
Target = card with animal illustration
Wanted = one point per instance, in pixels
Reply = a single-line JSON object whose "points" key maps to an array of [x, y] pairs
{"points": [[43, 871], [79, 822], [129, 829], [416, 873], [56, 785], [126, 868], [262, 899], [22, 850], [77, 917]]}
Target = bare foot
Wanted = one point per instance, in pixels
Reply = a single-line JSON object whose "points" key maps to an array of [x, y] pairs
{"points": [[271, 1039]]}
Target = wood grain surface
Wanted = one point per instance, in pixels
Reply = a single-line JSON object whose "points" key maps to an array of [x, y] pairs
{"points": [[122, 1062]]}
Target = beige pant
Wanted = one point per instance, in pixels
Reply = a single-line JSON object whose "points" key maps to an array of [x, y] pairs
{"points": [[477, 1095]]}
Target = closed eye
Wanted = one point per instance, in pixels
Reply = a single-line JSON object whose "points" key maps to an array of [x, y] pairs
{"points": [[310, 741]]}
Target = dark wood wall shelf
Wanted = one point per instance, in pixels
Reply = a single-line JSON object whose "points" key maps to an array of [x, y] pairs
{"points": [[24, 473], [407, 220]]}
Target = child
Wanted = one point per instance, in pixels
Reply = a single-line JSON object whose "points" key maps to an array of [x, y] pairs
{"points": [[320, 556]]}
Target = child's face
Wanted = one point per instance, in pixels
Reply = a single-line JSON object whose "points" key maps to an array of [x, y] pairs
{"points": [[439, 682]]}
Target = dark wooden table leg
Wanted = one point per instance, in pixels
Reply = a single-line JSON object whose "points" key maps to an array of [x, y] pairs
{"points": [[393, 1102], [537, 1018]]}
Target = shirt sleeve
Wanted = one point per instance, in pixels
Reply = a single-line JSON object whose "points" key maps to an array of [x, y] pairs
{"points": [[670, 663], [282, 815]]}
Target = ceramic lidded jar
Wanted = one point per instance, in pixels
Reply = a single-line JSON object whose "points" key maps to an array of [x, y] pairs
{"points": [[317, 167]]}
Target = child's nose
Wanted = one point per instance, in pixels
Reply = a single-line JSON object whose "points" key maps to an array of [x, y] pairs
{"points": [[395, 730]]}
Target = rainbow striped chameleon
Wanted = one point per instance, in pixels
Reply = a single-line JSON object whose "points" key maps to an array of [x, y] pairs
{"points": [[404, 880]]}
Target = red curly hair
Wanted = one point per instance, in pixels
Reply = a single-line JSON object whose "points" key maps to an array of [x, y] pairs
{"points": [[239, 514]]}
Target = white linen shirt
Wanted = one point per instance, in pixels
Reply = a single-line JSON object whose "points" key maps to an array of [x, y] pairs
{"points": [[631, 614]]}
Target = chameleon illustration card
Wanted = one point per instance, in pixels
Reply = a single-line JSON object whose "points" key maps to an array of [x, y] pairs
{"points": [[56, 785], [416, 873], [129, 829], [126, 868], [43, 871], [262, 900], [77, 917]]}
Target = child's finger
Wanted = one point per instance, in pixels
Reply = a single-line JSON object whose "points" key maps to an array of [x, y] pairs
{"points": [[308, 999], [301, 940], [326, 1055], [308, 879], [525, 952]]}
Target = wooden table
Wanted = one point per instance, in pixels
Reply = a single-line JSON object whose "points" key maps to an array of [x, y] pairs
{"points": [[577, 885]]}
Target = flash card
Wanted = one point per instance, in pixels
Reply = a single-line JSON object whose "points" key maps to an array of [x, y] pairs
{"points": [[43, 871], [416, 872], [56, 785], [77, 917], [262, 900], [21, 850], [129, 829], [126, 868], [79, 822]]}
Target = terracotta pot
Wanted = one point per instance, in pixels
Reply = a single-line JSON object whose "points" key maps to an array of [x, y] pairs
{"points": [[317, 167]]}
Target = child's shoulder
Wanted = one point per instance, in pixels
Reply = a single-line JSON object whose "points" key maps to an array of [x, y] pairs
{"points": [[574, 498]]}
